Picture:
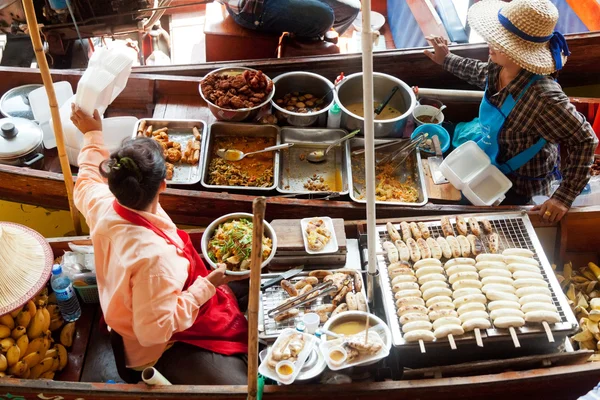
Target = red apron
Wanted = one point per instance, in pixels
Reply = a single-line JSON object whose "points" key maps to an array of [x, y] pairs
{"points": [[220, 325]]}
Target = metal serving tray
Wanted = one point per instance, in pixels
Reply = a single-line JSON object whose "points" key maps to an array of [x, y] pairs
{"points": [[515, 231], [295, 170], [273, 296], [412, 168], [180, 131], [220, 129]]}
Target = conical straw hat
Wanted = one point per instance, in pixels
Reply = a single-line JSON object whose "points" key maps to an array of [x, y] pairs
{"points": [[25, 265]]}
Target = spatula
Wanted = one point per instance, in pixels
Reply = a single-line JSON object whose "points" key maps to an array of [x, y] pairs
{"points": [[435, 162]]}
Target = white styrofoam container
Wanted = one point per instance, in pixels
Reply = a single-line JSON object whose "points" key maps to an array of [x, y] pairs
{"points": [[38, 100], [470, 170]]}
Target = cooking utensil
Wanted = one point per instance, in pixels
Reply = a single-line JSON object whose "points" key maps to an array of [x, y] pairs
{"points": [[237, 155], [435, 162], [321, 290], [403, 155], [379, 109], [332, 334], [285, 275], [318, 156], [407, 147], [350, 91], [20, 142], [377, 147], [442, 108], [332, 89]]}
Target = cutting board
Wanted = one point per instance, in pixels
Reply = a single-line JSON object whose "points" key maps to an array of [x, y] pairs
{"points": [[444, 192], [289, 235]]}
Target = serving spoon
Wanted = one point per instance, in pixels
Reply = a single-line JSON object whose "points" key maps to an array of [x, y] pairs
{"points": [[237, 155], [318, 156]]}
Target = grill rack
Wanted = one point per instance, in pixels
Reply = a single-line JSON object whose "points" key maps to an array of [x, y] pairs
{"points": [[515, 231], [273, 296]]}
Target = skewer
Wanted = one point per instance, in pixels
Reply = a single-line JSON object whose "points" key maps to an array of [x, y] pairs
{"points": [[422, 346], [367, 328], [478, 337], [548, 331], [513, 335], [452, 342]]}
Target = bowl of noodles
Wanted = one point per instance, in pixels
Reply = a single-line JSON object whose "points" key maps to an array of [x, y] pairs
{"points": [[228, 240]]}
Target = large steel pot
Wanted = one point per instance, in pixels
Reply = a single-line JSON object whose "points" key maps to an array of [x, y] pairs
{"points": [[350, 91], [242, 114], [305, 82], [21, 143]]}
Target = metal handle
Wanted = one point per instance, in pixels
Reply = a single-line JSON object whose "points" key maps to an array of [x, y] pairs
{"points": [[348, 136], [35, 159], [379, 109], [272, 148]]}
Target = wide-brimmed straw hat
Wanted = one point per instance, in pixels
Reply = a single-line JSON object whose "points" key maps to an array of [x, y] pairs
{"points": [[524, 31], [25, 265]]}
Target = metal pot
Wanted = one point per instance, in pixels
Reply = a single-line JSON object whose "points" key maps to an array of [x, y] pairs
{"points": [[350, 91], [21, 143], [15, 102], [242, 114], [301, 82]]}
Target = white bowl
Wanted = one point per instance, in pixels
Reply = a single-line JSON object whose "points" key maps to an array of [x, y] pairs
{"points": [[377, 21], [431, 111], [268, 232]]}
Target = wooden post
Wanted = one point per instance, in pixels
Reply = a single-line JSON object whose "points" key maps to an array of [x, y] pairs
{"points": [[258, 209], [56, 122]]}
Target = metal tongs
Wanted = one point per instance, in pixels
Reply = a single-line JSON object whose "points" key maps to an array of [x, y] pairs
{"points": [[403, 152], [321, 289]]}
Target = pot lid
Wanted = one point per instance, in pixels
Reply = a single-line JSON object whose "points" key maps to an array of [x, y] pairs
{"points": [[15, 102], [18, 136]]}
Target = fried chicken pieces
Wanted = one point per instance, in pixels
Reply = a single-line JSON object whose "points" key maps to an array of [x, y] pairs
{"points": [[246, 90], [172, 150]]}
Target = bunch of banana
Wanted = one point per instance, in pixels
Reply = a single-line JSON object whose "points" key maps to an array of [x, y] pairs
{"points": [[582, 288], [27, 347]]}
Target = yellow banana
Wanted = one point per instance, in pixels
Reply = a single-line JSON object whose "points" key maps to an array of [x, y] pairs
{"points": [[12, 355], [52, 298], [34, 346], [8, 321], [3, 363], [588, 274], [18, 369], [41, 301], [52, 353], [66, 334], [54, 311], [63, 357], [47, 319], [56, 324], [43, 367], [595, 270], [18, 332], [47, 375], [4, 331], [26, 374], [571, 293], [36, 326], [23, 343], [567, 270], [580, 279], [55, 364], [31, 308], [16, 312], [32, 359], [23, 319], [46, 343], [6, 343]]}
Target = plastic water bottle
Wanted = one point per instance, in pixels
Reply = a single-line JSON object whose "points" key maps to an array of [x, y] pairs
{"points": [[65, 295], [334, 116]]}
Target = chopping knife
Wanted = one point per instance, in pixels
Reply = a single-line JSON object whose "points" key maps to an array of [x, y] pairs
{"points": [[435, 162], [285, 275]]}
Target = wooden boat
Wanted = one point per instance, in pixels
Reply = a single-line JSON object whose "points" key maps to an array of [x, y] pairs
{"points": [[559, 375], [161, 96]]}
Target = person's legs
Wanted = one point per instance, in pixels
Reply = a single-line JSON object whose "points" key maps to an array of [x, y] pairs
{"points": [[184, 364], [303, 18], [240, 290], [345, 12]]}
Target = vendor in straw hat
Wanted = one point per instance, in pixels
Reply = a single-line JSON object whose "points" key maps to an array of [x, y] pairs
{"points": [[524, 115]]}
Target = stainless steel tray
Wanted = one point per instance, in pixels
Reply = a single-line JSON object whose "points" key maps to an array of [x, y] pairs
{"points": [[412, 168], [514, 230], [180, 131], [220, 129], [273, 296], [295, 170]]}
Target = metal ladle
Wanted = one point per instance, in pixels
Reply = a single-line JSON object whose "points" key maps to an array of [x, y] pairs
{"points": [[318, 156], [237, 155]]}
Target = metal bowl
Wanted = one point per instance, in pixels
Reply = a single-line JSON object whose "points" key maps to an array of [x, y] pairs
{"points": [[242, 114], [305, 82], [350, 91], [208, 233]]}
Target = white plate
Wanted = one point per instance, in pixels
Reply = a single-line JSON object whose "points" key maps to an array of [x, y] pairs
{"points": [[378, 331], [332, 245], [309, 343], [377, 21]]}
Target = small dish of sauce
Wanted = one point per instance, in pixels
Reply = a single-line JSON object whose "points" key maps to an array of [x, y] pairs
{"points": [[285, 370], [427, 119], [337, 355]]}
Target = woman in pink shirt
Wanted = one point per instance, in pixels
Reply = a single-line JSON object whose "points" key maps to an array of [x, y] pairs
{"points": [[155, 291]]}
